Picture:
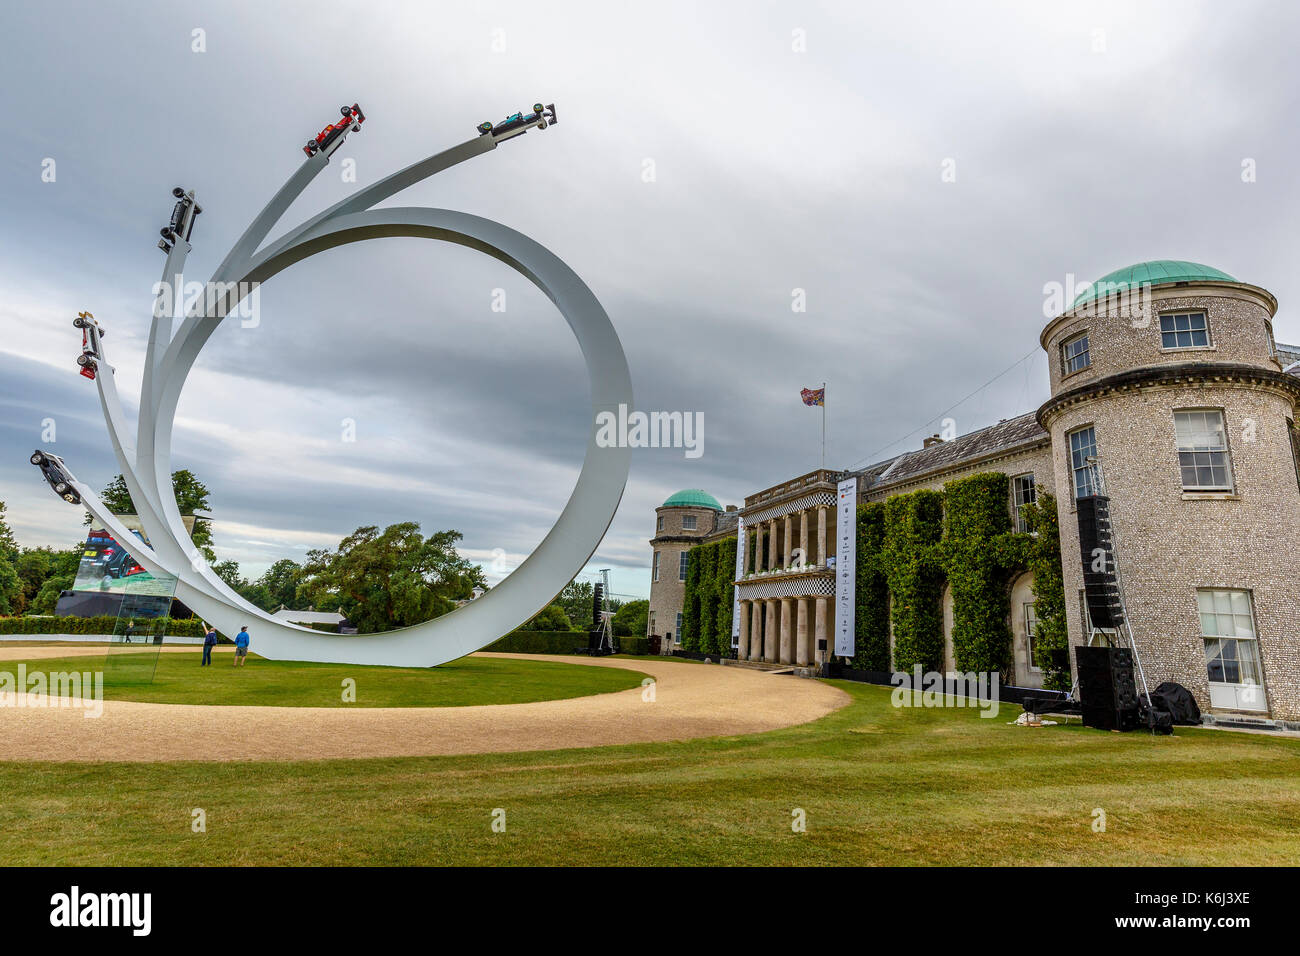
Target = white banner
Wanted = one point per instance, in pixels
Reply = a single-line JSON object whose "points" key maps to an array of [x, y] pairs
{"points": [[846, 564], [740, 572]]}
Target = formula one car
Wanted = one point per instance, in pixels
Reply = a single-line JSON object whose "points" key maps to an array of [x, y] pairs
{"points": [[181, 224], [331, 137], [520, 123], [56, 476], [90, 335]]}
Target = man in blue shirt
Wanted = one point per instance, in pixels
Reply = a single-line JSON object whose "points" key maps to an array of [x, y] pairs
{"points": [[209, 641], [241, 646]]}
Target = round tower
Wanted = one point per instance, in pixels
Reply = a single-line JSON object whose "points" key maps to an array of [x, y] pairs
{"points": [[1167, 376], [680, 523]]}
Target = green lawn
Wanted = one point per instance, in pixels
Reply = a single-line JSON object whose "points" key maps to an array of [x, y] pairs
{"points": [[178, 679], [878, 785]]}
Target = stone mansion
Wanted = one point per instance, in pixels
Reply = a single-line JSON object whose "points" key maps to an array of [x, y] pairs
{"points": [[1166, 383]]}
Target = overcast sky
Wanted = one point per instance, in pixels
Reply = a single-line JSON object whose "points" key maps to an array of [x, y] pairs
{"points": [[792, 146]]}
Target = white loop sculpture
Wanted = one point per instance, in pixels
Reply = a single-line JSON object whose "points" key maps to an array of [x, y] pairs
{"points": [[146, 463]]}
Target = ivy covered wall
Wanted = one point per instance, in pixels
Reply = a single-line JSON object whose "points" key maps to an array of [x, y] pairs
{"points": [[908, 547], [710, 596]]}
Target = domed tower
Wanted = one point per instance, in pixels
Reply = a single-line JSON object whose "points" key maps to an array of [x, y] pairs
{"points": [[681, 522], [1166, 375]]}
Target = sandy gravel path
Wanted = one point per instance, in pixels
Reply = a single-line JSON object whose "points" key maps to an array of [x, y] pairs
{"points": [[690, 700]]}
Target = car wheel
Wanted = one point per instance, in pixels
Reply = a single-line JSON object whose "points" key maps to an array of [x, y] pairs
{"points": [[83, 360], [78, 323], [538, 107], [178, 192], [60, 487], [38, 459]]}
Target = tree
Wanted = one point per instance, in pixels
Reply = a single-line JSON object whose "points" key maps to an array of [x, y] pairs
{"points": [[550, 618], [33, 567], [632, 619], [228, 571], [191, 498], [280, 584], [576, 600], [60, 577], [11, 588], [393, 578]]}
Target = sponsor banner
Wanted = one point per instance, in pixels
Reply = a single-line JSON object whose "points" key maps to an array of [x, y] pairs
{"points": [[846, 562], [740, 571]]}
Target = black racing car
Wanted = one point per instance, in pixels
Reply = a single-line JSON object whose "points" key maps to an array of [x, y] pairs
{"points": [[181, 224], [56, 475]]}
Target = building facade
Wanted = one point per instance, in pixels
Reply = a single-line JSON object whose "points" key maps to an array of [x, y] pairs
{"points": [[1168, 393]]}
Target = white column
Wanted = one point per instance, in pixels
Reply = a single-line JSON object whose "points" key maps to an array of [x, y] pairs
{"points": [[756, 632], [787, 629], [803, 536], [770, 631], [820, 631], [787, 539], [801, 656], [742, 651], [821, 534]]}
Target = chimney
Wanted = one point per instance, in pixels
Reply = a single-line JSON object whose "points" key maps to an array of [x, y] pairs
{"points": [[932, 440]]}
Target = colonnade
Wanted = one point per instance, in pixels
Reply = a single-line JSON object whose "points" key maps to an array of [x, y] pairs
{"points": [[784, 630]]}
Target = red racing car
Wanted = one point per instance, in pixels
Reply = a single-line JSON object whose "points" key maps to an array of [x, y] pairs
{"points": [[334, 133]]}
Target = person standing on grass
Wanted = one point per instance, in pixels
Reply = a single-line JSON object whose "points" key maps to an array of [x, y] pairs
{"points": [[241, 646], [209, 642]]}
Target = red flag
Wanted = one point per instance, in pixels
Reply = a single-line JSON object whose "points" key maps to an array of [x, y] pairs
{"points": [[814, 396]]}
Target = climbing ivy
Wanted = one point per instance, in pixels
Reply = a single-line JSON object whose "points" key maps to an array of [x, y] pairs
{"points": [[690, 632], [981, 554], [871, 592], [912, 567], [1051, 639], [909, 545], [709, 597]]}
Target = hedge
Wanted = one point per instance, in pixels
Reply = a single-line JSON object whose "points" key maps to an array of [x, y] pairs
{"points": [[101, 624], [539, 642], [634, 645]]}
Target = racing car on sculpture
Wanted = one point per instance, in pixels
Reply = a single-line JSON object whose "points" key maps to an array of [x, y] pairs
{"points": [[56, 475], [519, 123], [181, 224], [333, 133], [90, 333]]}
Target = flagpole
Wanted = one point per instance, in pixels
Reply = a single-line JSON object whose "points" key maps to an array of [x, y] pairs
{"points": [[823, 426]]}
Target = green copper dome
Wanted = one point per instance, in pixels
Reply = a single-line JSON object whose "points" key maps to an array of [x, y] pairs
{"points": [[1155, 272], [692, 498]]}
